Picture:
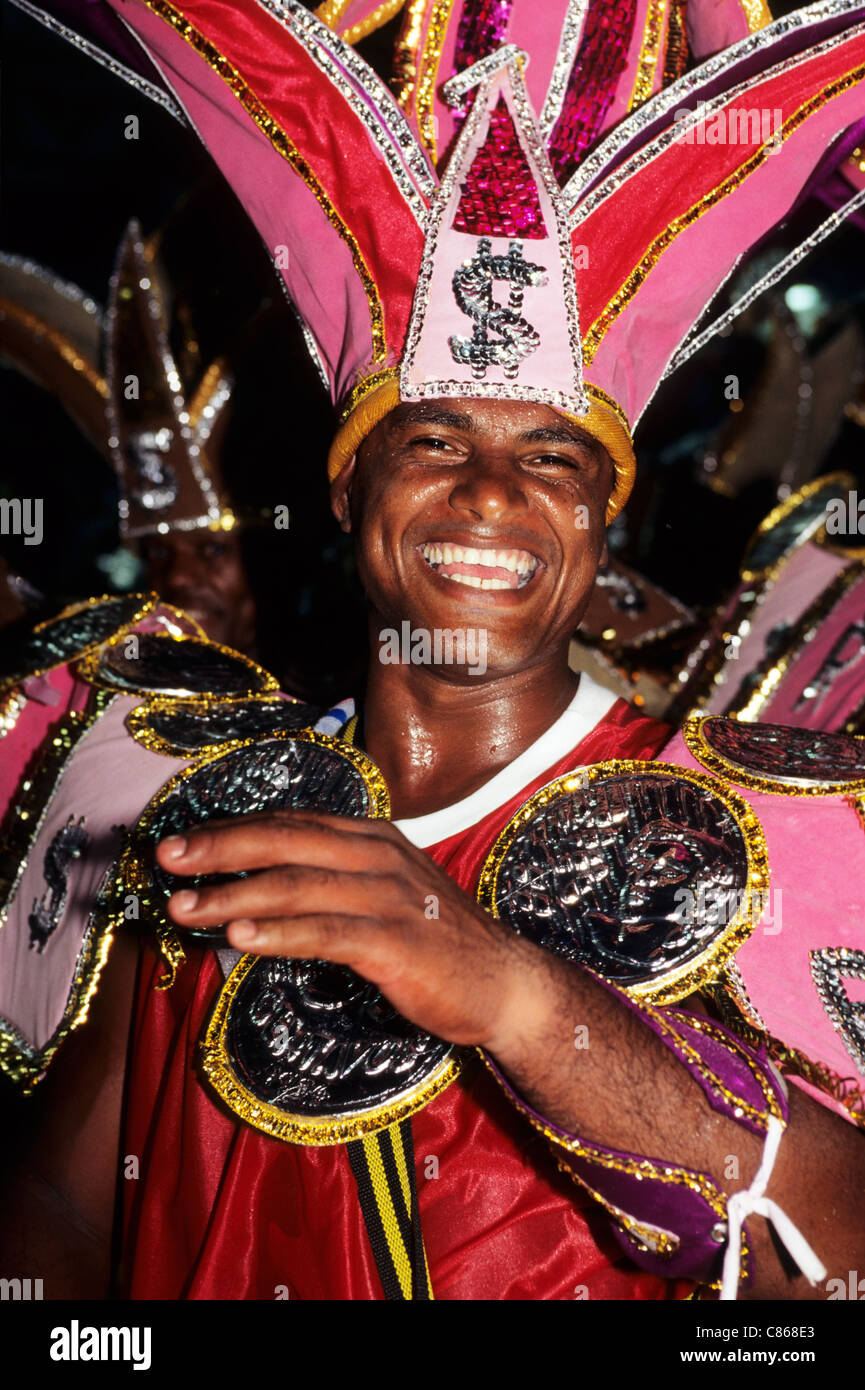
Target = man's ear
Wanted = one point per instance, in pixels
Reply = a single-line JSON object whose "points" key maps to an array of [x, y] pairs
{"points": [[340, 494]]}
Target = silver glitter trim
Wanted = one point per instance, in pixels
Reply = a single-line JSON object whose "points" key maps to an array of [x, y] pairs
{"points": [[172, 377], [309, 338], [675, 133], [572, 32], [64, 288], [141, 84], [386, 125], [846, 1015], [216, 403], [778, 271], [459, 86], [681, 91], [574, 404]]}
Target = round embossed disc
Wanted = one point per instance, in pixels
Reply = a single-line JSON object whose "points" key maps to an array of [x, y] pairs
{"points": [[76, 631], [778, 757], [183, 728], [301, 1049], [310, 1052], [645, 872], [150, 663]]}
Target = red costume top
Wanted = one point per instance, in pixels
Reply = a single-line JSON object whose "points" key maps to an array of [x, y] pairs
{"points": [[220, 1210]]}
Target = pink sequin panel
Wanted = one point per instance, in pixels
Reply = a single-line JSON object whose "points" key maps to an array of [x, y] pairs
{"points": [[499, 194], [482, 28], [598, 66]]}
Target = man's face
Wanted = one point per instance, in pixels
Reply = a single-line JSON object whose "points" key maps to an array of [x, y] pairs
{"points": [[479, 514], [202, 572]]}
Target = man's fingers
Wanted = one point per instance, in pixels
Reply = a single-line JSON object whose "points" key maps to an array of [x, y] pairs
{"points": [[354, 941], [285, 891], [279, 837]]}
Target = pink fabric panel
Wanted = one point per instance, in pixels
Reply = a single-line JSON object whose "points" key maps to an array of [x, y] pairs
{"points": [[550, 366], [279, 203], [713, 25], [804, 576], [839, 639], [619, 108], [817, 864], [50, 697], [538, 30], [639, 344], [34, 985]]}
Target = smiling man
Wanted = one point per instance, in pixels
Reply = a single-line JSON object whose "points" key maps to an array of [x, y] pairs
{"points": [[462, 1053]]}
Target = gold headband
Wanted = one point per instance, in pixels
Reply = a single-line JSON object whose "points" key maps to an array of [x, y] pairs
{"points": [[377, 395]]}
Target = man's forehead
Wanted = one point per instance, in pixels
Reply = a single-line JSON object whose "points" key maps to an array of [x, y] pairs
{"points": [[522, 420]]}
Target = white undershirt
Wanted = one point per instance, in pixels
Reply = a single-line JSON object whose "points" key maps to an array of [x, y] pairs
{"points": [[588, 707]]}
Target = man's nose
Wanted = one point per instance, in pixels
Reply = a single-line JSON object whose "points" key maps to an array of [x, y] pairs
{"points": [[489, 488]]}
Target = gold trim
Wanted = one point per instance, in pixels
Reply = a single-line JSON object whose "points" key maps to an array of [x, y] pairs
{"points": [[146, 604], [757, 14], [679, 982], [406, 53], [133, 869], [303, 1129], [373, 21], [331, 12], [650, 48], [738, 1013], [640, 1168], [714, 666], [256, 110], [775, 668], [139, 726], [376, 396], [595, 335], [782, 510], [721, 766], [428, 66], [89, 669], [24, 1064], [12, 706], [62, 344]]}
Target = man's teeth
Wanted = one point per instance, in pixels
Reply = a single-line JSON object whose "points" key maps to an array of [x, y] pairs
{"points": [[520, 563]]}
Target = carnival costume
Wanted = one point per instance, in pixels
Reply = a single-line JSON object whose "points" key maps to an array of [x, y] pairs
{"points": [[651, 865]]}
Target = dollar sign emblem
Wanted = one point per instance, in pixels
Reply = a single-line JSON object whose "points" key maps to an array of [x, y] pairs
{"points": [[501, 336]]}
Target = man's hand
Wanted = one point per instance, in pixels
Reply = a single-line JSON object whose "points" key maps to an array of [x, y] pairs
{"points": [[356, 892]]}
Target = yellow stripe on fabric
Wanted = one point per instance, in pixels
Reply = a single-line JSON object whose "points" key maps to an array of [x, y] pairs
{"points": [[405, 56], [757, 13], [331, 12], [649, 50], [428, 74], [401, 1167], [254, 108], [606, 319], [390, 1224], [380, 16]]}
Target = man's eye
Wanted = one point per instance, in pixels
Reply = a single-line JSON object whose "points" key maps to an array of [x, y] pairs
{"points": [[430, 441], [557, 461]]}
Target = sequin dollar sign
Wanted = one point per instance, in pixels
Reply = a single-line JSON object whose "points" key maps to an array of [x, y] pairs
{"points": [[501, 336]]}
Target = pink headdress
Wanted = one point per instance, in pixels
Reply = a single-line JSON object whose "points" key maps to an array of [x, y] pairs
{"points": [[491, 279]]}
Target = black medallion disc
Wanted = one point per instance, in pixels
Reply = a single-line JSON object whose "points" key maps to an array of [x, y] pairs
{"points": [[644, 872]]}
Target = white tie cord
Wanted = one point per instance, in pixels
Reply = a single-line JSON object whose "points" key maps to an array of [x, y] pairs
{"points": [[753, 1200]]}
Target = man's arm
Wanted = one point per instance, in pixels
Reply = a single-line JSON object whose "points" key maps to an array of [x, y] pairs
{"points": [[354, 892]]}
